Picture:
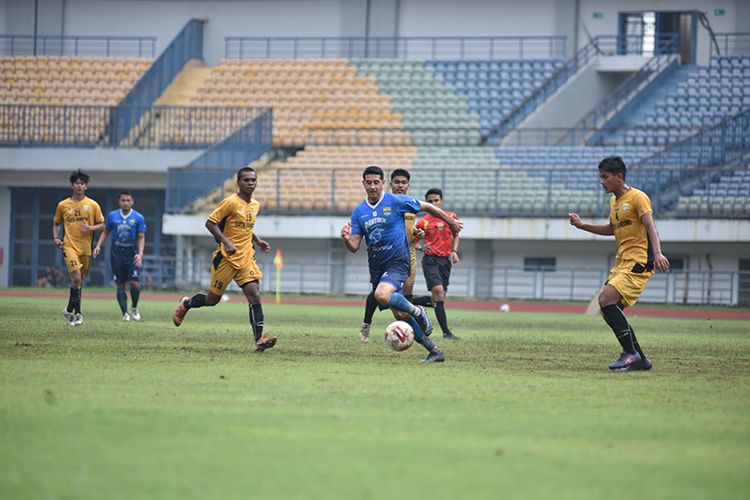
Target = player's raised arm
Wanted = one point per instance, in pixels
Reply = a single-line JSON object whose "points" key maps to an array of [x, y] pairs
{"points": [[215, 231], [455, 225], [603, 229], [660, 261], [352, 242]]}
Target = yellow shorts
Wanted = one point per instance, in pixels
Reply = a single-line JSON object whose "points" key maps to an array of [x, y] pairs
{"points": [[409, 283], [74, 262], [630, 285], [222, 273]]}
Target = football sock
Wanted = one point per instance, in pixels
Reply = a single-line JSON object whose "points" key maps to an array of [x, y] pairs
{"points": [[135, 295], [441, 317], [419, 335], [635, 342], [399, 303], [122, 300], [71, 308], [256, 320], [617, 321], [197, 300], [370, 305], [424, 300], [75, 301]]}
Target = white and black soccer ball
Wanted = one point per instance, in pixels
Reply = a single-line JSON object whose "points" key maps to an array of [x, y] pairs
{"points": [[399, 336]]}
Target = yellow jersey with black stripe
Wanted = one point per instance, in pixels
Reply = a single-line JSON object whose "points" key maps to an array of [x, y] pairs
{"points": [[409, 221], [625, 214], [74, 215], [236, 219]]}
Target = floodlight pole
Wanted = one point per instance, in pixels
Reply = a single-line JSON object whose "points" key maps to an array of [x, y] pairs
{"points": [[36, 21]]}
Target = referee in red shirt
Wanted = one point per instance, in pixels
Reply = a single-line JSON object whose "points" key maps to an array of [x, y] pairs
{"points": [[440, 253]]}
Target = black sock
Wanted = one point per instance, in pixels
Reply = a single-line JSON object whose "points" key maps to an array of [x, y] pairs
{"points": [[441, 317], [135, 295], [635, 342], [370, 305], [425, 301], [71, 308], [197, 300], [76, 300], [256, 320], [617, 321]]}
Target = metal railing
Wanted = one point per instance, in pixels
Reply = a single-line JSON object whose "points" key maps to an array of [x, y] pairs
{"points": [[188, 44], [162, 127], [667, 172], [540, 191], [79, 46], [623, 95], [599, 46], [321, 276], [602, 136], [468, 47], [211, 169], [731, 44]]}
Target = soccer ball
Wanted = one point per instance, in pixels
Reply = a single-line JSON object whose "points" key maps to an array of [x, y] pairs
{"points": [[504, 308], [399, 336]]}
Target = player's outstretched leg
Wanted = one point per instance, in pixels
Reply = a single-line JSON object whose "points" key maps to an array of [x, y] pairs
{"points": [[434, 355], [370, 305], [200, 299], [399, 302]]}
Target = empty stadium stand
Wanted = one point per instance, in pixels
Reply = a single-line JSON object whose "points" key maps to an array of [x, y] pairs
{"points": [[68, 80], [695, 98], [494, 88]]}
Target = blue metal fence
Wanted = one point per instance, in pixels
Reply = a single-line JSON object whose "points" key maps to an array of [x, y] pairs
{"points": [[467, 47], [162, 127], [600, 45], [80, 46], [188, 44], [216, 164]]}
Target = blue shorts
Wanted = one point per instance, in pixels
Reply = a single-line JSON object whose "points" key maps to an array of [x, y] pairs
{"points": [[396, 276], [124, 268]]}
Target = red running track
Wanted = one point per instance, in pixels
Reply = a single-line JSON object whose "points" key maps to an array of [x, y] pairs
{"points": [[678, 312]]}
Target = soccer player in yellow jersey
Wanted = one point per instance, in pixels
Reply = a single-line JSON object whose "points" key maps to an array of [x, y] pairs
{"points": [[400, 179], [81, 216], [638, 253], [231, 224]]}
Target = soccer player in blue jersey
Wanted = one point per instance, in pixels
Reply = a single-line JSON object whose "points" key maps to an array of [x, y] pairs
{"points": [[380, 220], [129, 229]]}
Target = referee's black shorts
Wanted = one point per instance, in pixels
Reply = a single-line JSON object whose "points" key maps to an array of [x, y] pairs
{"points": [[437, 270]]}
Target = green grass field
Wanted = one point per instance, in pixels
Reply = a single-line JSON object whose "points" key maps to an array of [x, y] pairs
{"points": [[525, 407]]}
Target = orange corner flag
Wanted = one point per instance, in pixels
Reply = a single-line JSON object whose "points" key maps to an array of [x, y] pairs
{"points": [[278, 262]]}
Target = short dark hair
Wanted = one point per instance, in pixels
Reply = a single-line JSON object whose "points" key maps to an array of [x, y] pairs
{"points": [[373, 170], [614, 165], [243, 170], [78, 174], [126, 193], [436, 191], [401, 172]]}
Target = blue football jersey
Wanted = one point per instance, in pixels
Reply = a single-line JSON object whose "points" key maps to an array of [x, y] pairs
{"points": [[383, 227], [125, 229]]}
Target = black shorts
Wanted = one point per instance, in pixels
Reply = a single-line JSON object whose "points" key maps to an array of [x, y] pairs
{"points": [[437, 271]]}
